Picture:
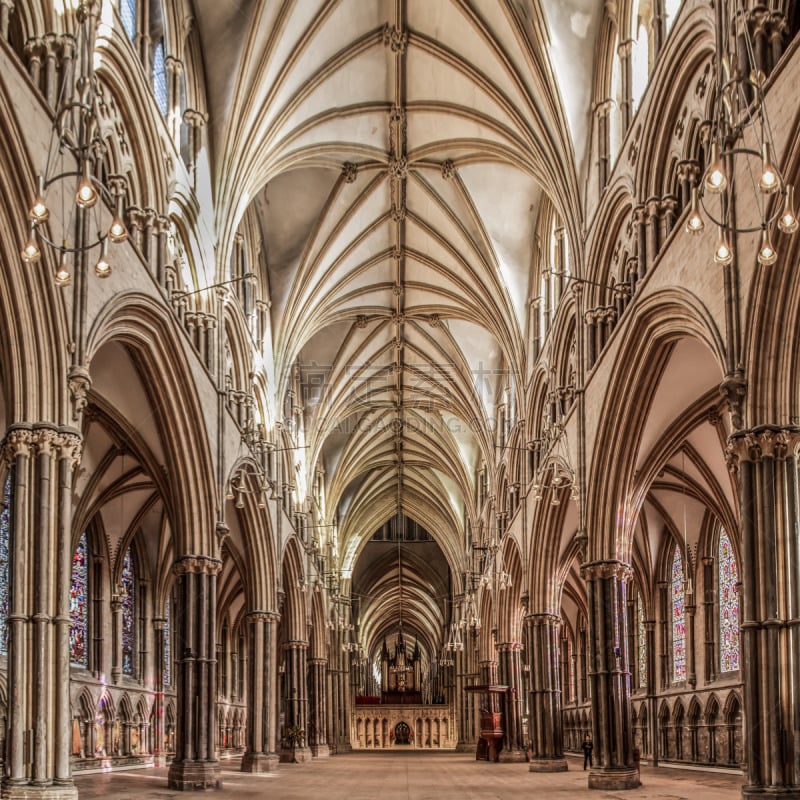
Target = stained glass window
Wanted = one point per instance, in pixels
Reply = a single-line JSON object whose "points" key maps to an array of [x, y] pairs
{"points": [[642, 651], [678, 619], [127, 11], [128, 597], [160, 78], [728, 575], [79, 606], [5, 534], [167, 644]]}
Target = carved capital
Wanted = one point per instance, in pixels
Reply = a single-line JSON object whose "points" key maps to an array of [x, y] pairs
{"points": [[199, 565], [607, 569], [760, 443]]}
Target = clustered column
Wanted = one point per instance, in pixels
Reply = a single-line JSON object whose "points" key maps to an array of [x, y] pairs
{"points": [[609, 676], [262, 667], [43, 458], [296, 698], [158, 700], [318, 711], [195, 765], [765, 462], [547, 748], [510, 670]]}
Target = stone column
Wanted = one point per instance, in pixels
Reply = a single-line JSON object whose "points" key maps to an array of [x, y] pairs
{"points": [[318, 710], [296, 698], [547, 749], [709, 618], [262, 663], [609, 676], [764, 460], [38, 743], [159, 624], [510, 674], [195, 765]]}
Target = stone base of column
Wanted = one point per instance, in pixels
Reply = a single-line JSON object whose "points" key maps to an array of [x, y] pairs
{"points": [[548, 765], [26, 791], [300, 755], [762, 792], [187, 776], [465, 747], [259, 762], [345, 747], [159, 760], [320, 750], [512, 756], [627, 778]]}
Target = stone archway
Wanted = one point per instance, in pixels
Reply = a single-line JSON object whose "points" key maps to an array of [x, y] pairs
{"points": [[401, 731]]}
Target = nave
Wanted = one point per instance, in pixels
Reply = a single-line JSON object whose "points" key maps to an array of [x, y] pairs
{"points": [[411, 775]]}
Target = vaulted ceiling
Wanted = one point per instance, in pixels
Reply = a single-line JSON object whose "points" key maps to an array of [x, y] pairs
{"points": [[398, 155]]}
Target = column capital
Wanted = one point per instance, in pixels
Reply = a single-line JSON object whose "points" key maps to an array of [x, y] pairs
{"points": [[543, 618], [609, 568], [763, 441], [262, 616], [205, 565]]}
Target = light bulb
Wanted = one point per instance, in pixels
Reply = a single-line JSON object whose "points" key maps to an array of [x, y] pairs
{"points": [[103, 268], [770, 179], [722, 251], [39, 211], [86, 196], [30, 252], [694, 223], [716, 180], [63, 276], [767, 255], [788, 221], [117, 231]]}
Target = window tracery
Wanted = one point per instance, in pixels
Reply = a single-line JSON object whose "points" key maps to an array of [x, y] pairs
{"points": [[5, 535], [728, 577], [128, 599], [678, 618], [79, 606]]}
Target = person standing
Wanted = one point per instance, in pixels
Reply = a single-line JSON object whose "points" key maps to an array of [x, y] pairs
{"points": [[587, 747]]}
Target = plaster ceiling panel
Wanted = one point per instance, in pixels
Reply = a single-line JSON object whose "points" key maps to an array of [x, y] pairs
{"points": [[117, 381], [508, 203], [690, 373], [333, 103], [289, 208], [482, 355], [573, 27], [312, 33], [433, 82], [367, 197], [449, 24]]}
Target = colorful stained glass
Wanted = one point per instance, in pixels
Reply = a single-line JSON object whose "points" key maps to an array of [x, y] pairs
{"points": [[79, 606], [642, 644], [127, 12], [160, 78], [128, 598], [728, 576], [678, 619], [167, 643], [5, 535]]}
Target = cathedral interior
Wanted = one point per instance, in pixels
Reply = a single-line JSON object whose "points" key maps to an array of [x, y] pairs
{"points": [[399, 375]]}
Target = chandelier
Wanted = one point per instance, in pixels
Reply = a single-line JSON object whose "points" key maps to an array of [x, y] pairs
{"points": [[740, 134], [76, 148]]}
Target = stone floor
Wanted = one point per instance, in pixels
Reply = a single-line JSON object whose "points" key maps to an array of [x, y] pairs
{"points": [[411, 776]]}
